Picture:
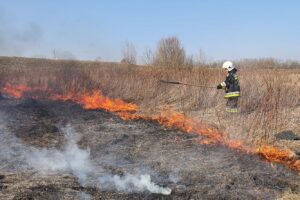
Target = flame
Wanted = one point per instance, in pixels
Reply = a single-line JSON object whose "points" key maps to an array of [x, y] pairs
{"points": [[170, 119], [97, 101], [285, 157], [15, 91], [19, 91]]}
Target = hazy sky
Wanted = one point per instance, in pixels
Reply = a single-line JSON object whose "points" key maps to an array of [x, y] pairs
{"points": [[223, 29]]}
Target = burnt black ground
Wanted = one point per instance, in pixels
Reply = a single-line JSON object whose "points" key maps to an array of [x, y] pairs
{"points": [[172, 158]]}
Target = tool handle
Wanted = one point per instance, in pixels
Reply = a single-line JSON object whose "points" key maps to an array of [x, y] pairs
{"points": [[171, 82], [201, 86], [179, 83]]}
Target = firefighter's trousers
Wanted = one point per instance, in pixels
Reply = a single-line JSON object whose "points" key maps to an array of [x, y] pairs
{"points": [[232, 104]]}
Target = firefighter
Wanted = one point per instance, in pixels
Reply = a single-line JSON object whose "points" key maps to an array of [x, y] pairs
{"points": [[231, 86]]}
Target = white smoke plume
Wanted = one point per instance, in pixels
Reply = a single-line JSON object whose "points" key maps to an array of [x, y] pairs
{"points": [[77, 161], [84, 196], [12, 150], [63, 54], [70, 159], [132, 183]]}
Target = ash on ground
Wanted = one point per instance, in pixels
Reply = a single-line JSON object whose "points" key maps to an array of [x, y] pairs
{"points": [[57, 150]]}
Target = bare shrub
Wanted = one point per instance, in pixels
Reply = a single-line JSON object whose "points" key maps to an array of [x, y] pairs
{"points": [[148, 56], [169, 53], [200, 58], [129, 53], [189, 61]]}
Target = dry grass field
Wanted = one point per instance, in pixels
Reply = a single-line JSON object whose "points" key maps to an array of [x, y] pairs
{"points": [[269, 103]]}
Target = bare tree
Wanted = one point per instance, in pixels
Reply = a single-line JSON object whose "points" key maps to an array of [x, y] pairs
{"points": [[148, 56], [201, 58], [189, 61], [169, 53], [129, 53]]}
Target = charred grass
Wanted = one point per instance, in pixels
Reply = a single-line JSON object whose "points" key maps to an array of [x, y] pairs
{"points": [[119, 147], [270, 101]]}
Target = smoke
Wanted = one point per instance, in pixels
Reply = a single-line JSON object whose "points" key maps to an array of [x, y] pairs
{"points": [[70, 159], [12, 150], [84, 196], [174, 177], [77, 161], [132, 183], [17, 41], [63, 54]]}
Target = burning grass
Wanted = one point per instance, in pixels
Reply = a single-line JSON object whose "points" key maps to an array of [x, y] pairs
{"points": [[120, 153], [168, 118], [227, 162], [269, 97]]}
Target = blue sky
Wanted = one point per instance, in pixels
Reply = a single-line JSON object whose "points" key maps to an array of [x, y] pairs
{"points": [[222, 29]]}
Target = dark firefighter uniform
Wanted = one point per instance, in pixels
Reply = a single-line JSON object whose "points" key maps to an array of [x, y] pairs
{"points": [[231, 86]]}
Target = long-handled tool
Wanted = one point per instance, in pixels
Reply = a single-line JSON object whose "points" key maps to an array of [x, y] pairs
{"points": [[180, 83]]}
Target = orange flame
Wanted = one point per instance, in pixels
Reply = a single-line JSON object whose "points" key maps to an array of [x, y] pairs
{"points": [[170, 119], [15, 91], [97, 101], [284, 157]]}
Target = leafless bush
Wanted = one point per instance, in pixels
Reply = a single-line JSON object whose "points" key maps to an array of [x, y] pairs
{"points": [[200, 58], [189, 61], [148, 56], [170, 53], [129, 53]]}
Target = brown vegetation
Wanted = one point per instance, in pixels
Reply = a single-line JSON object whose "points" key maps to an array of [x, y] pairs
{"points": [[269, 104], [129, 53], [169, 53]]}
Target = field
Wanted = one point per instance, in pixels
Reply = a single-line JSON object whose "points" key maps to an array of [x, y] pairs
{"points": [[269, 104], [248, 144]]}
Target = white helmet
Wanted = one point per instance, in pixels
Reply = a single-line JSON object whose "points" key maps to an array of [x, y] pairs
{"points": [[228, 66]]}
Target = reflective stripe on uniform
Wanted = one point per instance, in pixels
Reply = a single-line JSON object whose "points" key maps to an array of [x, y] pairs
{"points": [[223, 84], [232, 94], [236, 77]]}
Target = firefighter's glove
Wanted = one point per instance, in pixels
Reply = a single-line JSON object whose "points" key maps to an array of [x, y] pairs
{"points": [[219, 86]]}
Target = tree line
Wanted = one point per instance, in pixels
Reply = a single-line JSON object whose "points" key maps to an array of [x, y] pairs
{"points": [[170, 52]]}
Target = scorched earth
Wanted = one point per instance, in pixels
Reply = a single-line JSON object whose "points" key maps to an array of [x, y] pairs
{"points": [[57, 150]]}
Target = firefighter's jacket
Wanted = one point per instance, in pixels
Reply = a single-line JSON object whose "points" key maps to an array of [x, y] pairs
{"points": [[231, 85]]}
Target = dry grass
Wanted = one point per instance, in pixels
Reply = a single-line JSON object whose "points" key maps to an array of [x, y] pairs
{"points": [[268, 103]]}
